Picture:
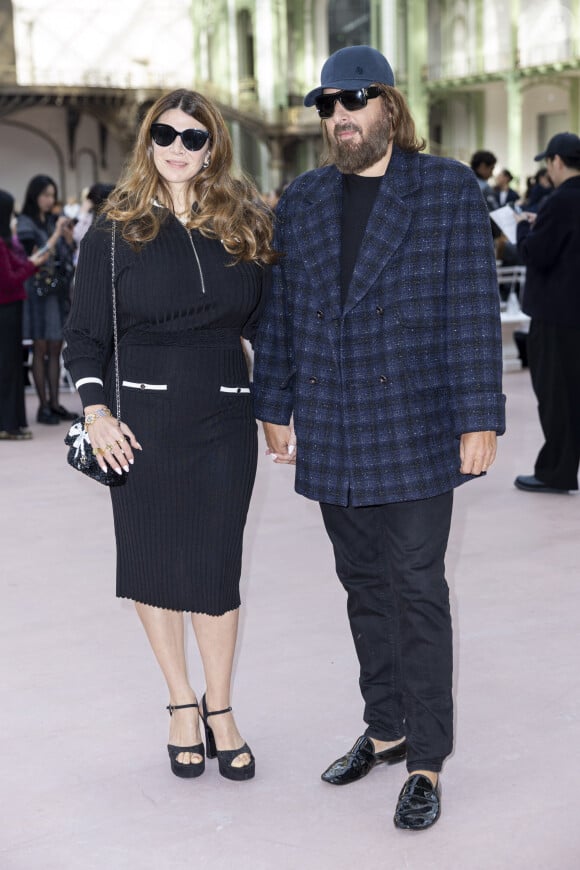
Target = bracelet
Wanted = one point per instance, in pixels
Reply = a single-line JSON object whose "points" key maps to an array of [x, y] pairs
{"points": [[92, 418]]}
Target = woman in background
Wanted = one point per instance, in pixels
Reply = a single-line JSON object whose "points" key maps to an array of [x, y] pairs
{"points": [[39, 229]]}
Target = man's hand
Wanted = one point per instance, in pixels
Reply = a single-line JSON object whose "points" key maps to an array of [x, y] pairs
{"points": [[281, 442], [528, 216], [477, 451]]}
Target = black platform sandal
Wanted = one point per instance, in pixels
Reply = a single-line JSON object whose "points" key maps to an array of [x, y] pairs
{"points": [[226, 756], [178, 767]]}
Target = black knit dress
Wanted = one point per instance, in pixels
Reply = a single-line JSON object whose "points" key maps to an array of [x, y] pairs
{"points": [[181, 309]]}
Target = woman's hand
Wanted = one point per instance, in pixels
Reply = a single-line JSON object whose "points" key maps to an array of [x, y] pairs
{"points": [[112, 442], [281, 441]]}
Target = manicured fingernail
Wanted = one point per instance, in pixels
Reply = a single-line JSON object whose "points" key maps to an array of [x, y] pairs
{"points": [[274, 457], [291, 448], [126, 467], [118, 470], [132, 461]]}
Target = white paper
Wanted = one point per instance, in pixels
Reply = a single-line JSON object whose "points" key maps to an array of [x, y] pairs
{"points": [[505, 218]]}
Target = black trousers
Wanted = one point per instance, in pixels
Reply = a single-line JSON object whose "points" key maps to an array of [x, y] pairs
{"points": [[390, 560], [12, 409], [554, 360]]}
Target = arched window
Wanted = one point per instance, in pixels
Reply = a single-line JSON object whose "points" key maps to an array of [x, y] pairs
{"points": [[349, 23]]}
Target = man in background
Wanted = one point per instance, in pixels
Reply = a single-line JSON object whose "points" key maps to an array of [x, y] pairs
{"points": [[549, 243]]}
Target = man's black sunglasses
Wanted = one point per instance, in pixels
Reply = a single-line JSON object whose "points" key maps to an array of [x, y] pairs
{"points": [[351, 100], [163, 135]]}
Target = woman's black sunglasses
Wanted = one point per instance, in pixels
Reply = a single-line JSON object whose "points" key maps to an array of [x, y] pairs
{"points": [[163, 135], [351, 100]]}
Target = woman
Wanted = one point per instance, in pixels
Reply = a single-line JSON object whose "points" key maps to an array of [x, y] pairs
{"points": [[191, 247], [37, 229], [15, 268]]}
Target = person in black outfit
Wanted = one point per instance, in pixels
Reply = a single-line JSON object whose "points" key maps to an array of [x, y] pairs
{"points": [[15, 268], [39, 230], [192, 249], [550, 246], [539, 187]]}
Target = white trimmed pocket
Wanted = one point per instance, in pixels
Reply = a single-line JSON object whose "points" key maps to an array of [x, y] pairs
{"points": [[234, 389], [133, 385]]}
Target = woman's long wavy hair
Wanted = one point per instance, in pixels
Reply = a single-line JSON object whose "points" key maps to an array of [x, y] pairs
{"points": [[228, 208], [402, 130]]}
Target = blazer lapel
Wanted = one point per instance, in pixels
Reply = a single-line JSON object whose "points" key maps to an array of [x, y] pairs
{"points": [[387, 226], [319, 237]]}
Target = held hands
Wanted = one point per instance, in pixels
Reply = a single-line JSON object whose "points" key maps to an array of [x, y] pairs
{"points": [[477, 451], [111, 441], [281, 441]]}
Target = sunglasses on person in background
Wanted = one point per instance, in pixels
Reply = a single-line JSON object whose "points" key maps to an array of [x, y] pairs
{"points": [[351, 100], [163, 135]]}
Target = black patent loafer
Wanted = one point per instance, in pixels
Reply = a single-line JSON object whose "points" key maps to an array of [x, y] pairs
{"points": [[360, 760], [529, 483], [419, 804]]}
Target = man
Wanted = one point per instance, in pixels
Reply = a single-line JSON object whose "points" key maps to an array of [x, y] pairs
{"points": [[505, 194], [382, 338], [549, 243], [483, 164]]}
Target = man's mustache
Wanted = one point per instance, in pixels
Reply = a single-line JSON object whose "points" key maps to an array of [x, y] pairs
{"points": [[346, 128]]}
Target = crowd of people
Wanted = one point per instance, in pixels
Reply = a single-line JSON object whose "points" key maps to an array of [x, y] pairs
{"points": [[381, 387]]}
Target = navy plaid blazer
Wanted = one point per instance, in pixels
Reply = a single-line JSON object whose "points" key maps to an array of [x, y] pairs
{"points": [[382, 388]]}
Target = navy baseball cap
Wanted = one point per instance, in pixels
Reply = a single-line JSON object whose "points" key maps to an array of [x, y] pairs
{"points": [[563, 144], [351, 68]]}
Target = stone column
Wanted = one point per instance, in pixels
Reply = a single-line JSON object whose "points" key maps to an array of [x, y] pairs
{"points": [[7, 51], [416, 38]]}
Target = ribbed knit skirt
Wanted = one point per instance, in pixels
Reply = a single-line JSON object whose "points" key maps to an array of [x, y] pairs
{"points": [[180, 518]]}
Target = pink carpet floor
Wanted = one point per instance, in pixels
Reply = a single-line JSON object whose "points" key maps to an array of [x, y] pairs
{"points": [[84, 776]]}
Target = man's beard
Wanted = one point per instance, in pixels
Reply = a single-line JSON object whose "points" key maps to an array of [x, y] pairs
{"points": [[354, 157]]}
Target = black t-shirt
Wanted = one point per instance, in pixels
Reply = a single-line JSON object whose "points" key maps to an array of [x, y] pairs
{"points": [[358, 196]]}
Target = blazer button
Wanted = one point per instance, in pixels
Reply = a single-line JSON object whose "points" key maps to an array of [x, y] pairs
{"points": [[142, 387], [320, 314], [380, 310], [384, 379], [312, 380]]}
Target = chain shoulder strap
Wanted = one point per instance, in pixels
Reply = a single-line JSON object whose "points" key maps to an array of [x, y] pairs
{"points": [[115, 333]]}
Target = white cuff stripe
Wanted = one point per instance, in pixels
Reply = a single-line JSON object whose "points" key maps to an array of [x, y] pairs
{"points": [[83, 381]]}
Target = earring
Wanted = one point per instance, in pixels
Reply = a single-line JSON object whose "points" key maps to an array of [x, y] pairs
{"points": [[205, 163]]}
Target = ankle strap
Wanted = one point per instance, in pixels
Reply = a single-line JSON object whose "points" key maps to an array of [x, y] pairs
{"points": [[218, 712], [172, 707]]}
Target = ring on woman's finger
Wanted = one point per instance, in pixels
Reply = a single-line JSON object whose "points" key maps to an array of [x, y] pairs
{"points": [[109, 448], [98, 451], [121, 441]]}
